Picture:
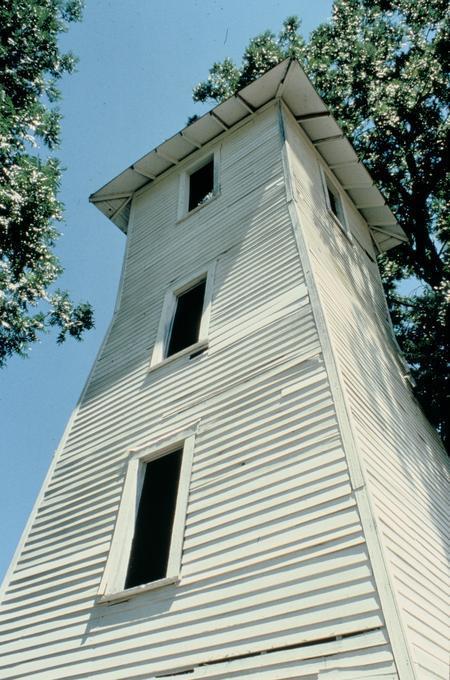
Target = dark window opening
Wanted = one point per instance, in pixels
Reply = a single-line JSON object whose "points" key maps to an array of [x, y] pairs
{"points": [[153, 528], [187, 318], [335, 204], [201, 185]]}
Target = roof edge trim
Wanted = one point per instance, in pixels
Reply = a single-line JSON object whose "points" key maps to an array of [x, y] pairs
{"points": [[286, 81]]}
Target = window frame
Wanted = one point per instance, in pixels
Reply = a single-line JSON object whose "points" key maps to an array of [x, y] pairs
{"points": [[113, 581], [183, 198], [329, 184], [178, 287]]}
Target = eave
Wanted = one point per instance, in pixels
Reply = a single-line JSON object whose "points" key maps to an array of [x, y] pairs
{"points": [[289, 82]]}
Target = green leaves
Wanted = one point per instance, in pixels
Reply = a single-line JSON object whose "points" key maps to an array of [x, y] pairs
{"points": [[421, 323], [382, 67], [30, 66], [263, 52], [69, 319], [222, 82]]}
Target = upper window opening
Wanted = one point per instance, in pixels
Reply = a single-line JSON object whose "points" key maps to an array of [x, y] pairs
{"points": [[335, 203], [187, 318], [201, 185], [151, 543]]}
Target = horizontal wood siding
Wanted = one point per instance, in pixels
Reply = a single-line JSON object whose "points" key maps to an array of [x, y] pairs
{"points": [[273, 552], [406, 466]]}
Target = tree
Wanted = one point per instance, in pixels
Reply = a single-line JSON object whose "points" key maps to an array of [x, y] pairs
{"points": [[30, 66], [262, 53], [382, 68]]}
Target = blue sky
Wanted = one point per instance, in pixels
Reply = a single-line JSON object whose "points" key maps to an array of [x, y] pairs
{"points": [[139, 60]]}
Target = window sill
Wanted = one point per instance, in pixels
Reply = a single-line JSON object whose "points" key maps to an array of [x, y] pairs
{"points": [[123, 595], [195, 210], [197, 347]]}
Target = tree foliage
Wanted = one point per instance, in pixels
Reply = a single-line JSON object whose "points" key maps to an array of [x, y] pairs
{"points": [[263, 52], [382, 68], [31, 63]]}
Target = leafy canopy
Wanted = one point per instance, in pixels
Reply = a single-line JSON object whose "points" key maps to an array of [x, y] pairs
{"points": [[382, 68], [262, 53], [30, 66]]}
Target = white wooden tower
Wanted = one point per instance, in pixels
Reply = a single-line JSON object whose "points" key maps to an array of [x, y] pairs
{"points": [[247, 488]]}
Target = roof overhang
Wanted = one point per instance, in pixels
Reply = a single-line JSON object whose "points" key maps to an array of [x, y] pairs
{"points": [[288, 81]]}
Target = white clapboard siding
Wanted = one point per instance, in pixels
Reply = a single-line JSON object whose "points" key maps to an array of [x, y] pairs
{"points": [[354, 658], [404, 461], [275, 565]]}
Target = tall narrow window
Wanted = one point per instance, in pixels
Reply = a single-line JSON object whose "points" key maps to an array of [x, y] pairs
{"points": [[154, 521], [335, 203], [201, 185], [147, 544], [333, 199], [184, 321], [187, 318]]}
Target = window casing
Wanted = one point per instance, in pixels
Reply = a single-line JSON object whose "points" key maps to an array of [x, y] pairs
{"points": [[131, 567], [187, 317], [199, 184], [150, 547], [334, 203], [184, 323]]}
